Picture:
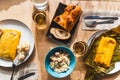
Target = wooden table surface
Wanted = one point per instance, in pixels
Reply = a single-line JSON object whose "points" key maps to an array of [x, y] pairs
{"points": [[22, 11]]}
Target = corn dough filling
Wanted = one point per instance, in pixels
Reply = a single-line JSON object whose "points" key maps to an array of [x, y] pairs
{"points": [[105, 51], [9, 41]]}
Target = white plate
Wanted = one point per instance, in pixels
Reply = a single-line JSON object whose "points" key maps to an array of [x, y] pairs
{"points": [[26, 35], [95, 35]]}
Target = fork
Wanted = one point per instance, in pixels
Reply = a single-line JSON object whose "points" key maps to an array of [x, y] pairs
{"points": [[13, 70], [14, 65]]}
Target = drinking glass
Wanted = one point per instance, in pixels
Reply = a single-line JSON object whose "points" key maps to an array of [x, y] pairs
{"points": [[40, 4], [39, 17], [80, 48]]}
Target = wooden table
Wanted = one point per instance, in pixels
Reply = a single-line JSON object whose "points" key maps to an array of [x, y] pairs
{"points": [[22, 11]]}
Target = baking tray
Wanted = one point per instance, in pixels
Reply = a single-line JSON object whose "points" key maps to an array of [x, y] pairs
{"points": [[60, 10]]}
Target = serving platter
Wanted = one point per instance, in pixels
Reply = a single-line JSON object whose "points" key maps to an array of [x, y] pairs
{"points": [[90, 41], [59, 11], [26, 35], [95, 35]]}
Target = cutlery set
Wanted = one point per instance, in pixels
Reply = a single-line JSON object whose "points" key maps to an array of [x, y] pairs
{"points": [[107, 20]]}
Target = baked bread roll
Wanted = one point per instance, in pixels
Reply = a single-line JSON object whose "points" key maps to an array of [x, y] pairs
{"points": [[69, 17]]}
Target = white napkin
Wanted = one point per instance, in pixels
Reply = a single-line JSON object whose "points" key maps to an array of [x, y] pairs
{"points": [[100, 13], [5, 74]]}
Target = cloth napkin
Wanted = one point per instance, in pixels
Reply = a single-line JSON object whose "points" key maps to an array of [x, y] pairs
{"points": [[100, 13], [5, 74]]}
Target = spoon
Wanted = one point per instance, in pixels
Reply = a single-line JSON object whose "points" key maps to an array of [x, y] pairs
{"points": [[94, 23]]}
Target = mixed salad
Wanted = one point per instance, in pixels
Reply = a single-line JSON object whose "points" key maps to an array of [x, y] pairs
{"points": [[60, 61]]}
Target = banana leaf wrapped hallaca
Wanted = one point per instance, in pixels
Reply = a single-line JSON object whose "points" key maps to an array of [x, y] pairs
{"points": [[103, 53]]}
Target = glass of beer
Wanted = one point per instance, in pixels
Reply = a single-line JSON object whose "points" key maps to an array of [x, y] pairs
{"points": [[39, 17], [80, 48]]}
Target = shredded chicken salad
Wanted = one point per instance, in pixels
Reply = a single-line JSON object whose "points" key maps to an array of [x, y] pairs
{"points": [[60, 61]]}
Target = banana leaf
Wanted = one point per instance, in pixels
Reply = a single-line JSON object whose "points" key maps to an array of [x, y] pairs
{"points": [[95, 70]]}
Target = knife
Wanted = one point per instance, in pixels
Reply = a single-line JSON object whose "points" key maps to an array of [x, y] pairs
{"points": [[26, 76], [98, 17]]}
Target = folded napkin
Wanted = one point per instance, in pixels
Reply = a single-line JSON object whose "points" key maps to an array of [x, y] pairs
{"points": [[100, 13], [5, 74]]}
